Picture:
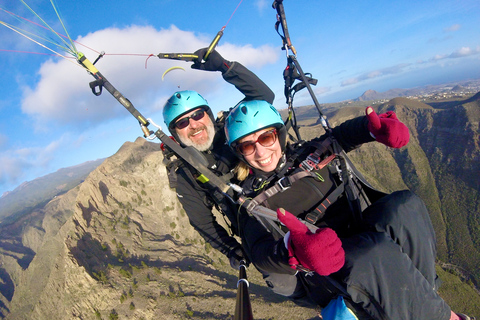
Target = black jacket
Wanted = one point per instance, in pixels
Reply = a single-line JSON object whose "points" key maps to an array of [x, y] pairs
{"points": [[198, 199], [266, 249]]}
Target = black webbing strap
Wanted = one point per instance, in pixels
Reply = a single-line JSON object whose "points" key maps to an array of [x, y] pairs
{"points": [[319, 212], [346, 175], [281, 185]]}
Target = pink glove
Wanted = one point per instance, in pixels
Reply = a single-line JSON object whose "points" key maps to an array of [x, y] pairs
{"points": [[321, 252], [387, 129]]}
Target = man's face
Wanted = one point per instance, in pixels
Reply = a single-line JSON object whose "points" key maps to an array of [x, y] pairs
{"points": [[198, 133]]}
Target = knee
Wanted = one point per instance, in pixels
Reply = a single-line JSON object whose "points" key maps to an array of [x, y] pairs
{"points": [[370, 249], [282, 284]]}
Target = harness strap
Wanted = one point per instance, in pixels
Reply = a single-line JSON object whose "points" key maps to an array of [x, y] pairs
{"points": [[345, 172], [312, 162], [319, 212], [281, 185]]}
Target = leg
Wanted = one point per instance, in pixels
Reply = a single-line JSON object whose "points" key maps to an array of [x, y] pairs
{"points": [[385, 283], [403, 216]]}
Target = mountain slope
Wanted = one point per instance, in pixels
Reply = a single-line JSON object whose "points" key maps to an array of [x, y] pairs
{"points": [[41, 190], [120, 245]]}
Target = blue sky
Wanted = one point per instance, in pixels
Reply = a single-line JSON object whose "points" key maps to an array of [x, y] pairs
{"points": [[49, 118]]}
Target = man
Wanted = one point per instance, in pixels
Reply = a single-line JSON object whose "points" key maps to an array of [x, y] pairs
{"points": [[191, 122]]}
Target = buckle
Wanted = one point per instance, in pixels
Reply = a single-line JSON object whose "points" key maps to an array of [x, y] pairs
{"points": [[311, 163], [284, 186], [311, 217]]}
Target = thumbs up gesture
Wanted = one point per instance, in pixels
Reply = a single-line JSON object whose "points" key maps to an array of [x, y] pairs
{"points": [[321, 251], [387, 129]]}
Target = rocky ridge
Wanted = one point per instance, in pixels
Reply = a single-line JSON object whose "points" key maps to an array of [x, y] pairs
{"points": [[119, 246]]}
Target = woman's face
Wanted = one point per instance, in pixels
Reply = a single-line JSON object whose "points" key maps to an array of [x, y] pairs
{"points": [[266, 155]]}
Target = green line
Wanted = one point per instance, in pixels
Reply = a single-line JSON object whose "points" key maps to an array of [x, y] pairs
{"points": [[33, 35], [40, 44], [71, 50]]}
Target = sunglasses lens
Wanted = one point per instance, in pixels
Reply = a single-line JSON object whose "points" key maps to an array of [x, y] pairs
{"points": [[198, 115], [184, 122], [246, 148], [267, 139]]}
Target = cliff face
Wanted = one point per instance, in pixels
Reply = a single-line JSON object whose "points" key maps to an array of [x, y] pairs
{"points": [[441, 164], [120, 245]]}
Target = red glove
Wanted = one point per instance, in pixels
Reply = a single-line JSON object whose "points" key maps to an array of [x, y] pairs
{"points": [[321, 251], [387, 129]]}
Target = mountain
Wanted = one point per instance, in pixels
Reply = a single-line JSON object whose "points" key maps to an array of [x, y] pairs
{"points": [[461, 87], [41, 190], [119, 246]]}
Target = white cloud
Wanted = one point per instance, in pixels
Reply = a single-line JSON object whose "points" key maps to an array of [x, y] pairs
{"points": [[459, 53], [399, 68], [11, 170], [403, 67], [62, 94], [15, 163], [261, 5], [452, 28]]}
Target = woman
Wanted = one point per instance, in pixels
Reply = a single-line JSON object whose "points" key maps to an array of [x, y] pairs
{"points": [[379, 257]]}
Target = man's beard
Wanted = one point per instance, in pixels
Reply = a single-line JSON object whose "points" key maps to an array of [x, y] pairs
{"points": [[200, 146]]}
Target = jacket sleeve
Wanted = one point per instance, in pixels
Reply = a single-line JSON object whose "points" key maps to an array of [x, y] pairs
{"points": [[267, 252], [201, 216], [248, 83], [352, 133]]}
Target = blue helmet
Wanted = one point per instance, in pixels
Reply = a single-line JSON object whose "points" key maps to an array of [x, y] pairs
{"points": [[182, 102], [249, 117]]}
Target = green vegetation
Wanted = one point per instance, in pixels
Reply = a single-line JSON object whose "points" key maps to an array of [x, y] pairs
{"points": [[113, 315], [461, 296], [125, 273], [208, 247], [101, 276]]}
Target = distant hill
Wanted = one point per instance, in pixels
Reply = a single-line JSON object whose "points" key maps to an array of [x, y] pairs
{"points": [[458, 88], [41, 190], [455, 87]]}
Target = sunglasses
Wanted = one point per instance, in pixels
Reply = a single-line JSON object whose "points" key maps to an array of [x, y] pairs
{"points": [[184, 122], [266, 139]]}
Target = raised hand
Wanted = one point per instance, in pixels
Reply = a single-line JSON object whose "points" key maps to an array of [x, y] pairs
{"points": [[387, 129], [321, 251], [214, 62]]}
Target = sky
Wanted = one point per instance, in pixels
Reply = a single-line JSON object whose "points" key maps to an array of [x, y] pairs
{"points": [[50, 119]]}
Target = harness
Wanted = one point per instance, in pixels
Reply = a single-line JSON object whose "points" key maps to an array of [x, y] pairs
{"points": [[349, 182], [219, 164]]}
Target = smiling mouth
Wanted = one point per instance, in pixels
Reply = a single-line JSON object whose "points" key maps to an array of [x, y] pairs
{"points": [[197, 132], [266, 161]]}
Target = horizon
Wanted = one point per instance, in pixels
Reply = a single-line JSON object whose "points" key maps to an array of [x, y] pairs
{"points": [[51, 120], [454, 83]]}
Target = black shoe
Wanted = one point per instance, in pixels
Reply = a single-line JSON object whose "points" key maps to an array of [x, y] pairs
{"points": [[465, 317]]}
